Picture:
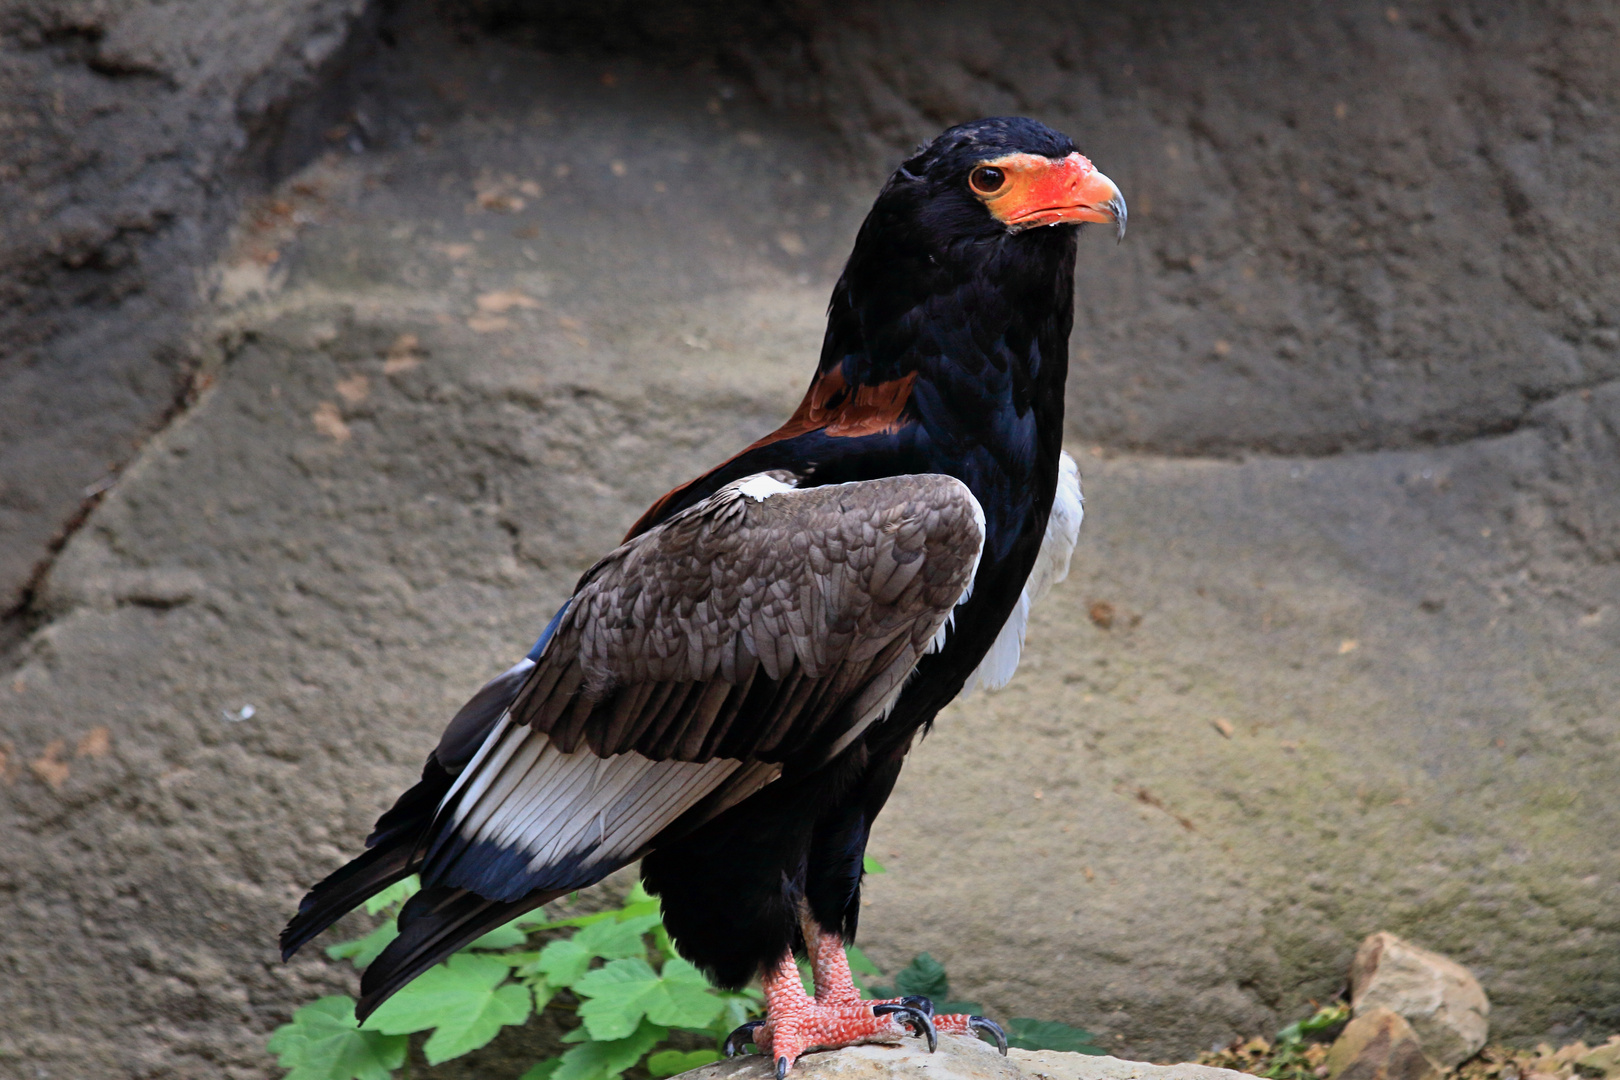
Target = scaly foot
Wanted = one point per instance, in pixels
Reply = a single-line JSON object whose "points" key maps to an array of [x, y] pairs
{"points": [[795, 1023], [963, 1024], [836, 984]]}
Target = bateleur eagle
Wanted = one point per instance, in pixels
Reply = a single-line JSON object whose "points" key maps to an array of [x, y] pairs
{"points": [[729, 694]]}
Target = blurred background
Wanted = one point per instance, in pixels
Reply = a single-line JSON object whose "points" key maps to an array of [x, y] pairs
{"points": [[339, 337]]}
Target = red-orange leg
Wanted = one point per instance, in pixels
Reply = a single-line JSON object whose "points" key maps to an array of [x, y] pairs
{"points": [[835, 984], [795, 1023]]}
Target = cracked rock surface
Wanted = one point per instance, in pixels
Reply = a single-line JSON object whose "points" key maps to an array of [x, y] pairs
{"points": [[1357, 671], [125, 128]]}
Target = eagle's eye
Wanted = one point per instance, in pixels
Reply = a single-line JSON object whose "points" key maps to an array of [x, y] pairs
{"points": [[987, 179]]}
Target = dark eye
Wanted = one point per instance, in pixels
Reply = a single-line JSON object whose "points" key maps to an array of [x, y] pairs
{"points": [[987, 179]]}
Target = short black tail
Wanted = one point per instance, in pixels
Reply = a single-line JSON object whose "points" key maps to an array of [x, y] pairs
{"points": [[433, 924], [344, 890], [394, 852], [440, 919]]}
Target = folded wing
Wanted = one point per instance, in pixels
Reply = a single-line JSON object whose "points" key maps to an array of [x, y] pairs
{"points": [[761, 630]]}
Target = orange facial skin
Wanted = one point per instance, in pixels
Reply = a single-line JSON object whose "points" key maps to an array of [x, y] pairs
{"points": [[1038, 190]]}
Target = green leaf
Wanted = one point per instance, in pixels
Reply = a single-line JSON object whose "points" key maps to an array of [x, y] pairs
{"points": [[617, 940], [538, 921], [362, 951], [671, 1062], [637, 905], [859, 966], [638, 902], [1028, 1034], [462, 998], [925, 976], [502, 937], [394, 894], [323, 1042], [543, 992], [737, 1007], [603, 1060], [625, 991], [563, 962], [871, 865], [1324, 1019], [542, 1071], [859, 962]]}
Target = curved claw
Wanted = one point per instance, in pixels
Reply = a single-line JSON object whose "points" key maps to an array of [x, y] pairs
{"points": [[921, 1022], [741, 1037], [920, 1003], [981, 1026], [782, 1066]]}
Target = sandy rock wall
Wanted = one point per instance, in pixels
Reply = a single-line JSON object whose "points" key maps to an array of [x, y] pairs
{"points": [[126, 129]]}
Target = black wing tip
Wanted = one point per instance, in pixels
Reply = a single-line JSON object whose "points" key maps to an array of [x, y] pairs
{"points": [[301, 929], [433, 924], [304, 927], [307, 925], [343, 890]]}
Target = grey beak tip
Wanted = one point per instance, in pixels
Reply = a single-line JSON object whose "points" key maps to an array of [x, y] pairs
{"points": [[1120, 214]]}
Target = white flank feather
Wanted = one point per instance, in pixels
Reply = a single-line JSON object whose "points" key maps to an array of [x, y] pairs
{"points": [[762, 486], [1051, 566], [1062, 532]]}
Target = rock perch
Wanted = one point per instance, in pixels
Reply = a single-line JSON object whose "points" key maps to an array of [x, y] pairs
{"points": [[958, 1058]]}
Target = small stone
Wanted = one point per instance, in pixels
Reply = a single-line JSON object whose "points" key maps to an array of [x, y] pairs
{"points": [[1440, 998], [1379, 1045], [1603, 1061]]}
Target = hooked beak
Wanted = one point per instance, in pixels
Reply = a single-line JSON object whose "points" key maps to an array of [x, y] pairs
{"points": [[1069, 190], [1110, 209]]}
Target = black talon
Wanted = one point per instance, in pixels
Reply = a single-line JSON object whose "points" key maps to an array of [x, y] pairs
{"points": [[920, 1003], [979, 1025], [741, 1037], [921, 1022], [781, 1068]]}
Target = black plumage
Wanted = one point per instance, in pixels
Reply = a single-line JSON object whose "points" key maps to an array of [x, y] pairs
{"points": [[757, 659]]}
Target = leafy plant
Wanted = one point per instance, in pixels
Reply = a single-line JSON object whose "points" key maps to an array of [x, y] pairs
{"points": [[1297, 1053], [615, 971], [926, 976], [322, 1042], [1029, 1034]]}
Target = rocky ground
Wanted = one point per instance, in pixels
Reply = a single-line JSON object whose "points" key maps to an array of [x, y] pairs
{"points": [[959, 1058], [1338, 651]]}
